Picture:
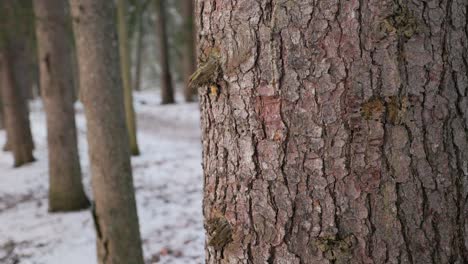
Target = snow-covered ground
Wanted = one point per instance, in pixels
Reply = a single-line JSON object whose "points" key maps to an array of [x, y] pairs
{"points": [[168, 183]]}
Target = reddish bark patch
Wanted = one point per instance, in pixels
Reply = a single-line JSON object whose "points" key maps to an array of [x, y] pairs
{"points": [[269, 110]]}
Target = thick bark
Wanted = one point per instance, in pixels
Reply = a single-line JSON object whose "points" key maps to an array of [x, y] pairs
{"points": [[167, 90], [66, 191], [125, 70], [115, 213], [19, 137], [189, 60], [335, 131]]}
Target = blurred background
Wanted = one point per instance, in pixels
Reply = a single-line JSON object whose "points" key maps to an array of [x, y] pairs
{"points": [[157, 57]]}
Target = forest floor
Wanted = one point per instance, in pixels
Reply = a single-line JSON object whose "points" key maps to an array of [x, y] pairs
{"points": [[168, 182]]}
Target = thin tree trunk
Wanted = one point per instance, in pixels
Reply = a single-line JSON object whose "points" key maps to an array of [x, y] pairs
{"points": [[75, 77], [139, 48], [115, 213], [2, 116], [6, 146], [125, 69], [335, 131], [19, 138], [56, 75], [167, 90], [2, 119], [189, 58]]}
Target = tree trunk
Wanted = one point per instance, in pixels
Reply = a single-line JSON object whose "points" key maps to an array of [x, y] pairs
{"points": [[14, 26], [115, 213], [139, 47], [13, 87], [56, 75], [189, 57], [335, 131], [19, 138], [2, 113], [167, 91], [2, 119], [6, 145], [125, 69]]}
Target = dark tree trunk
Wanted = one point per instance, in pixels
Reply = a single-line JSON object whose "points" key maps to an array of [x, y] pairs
{"points": [[115, 213], [189, 60], [2, 116], [167, 90], [6, 144], [56, 74], [335, 131], [19, 138], [139, 47], [15, 80], [2, 119]]}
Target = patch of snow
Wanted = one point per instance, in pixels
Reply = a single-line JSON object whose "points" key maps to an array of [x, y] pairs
{"points": [[168, 182]]}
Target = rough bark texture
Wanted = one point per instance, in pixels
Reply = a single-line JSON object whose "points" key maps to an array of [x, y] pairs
{"points": [[167, 90], [124, 51], [66, 191], [115, 214], [335, 131], [189, 60]]}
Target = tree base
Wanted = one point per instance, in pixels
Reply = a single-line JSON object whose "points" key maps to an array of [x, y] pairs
{"points": [[20, 162], [66, 203]]}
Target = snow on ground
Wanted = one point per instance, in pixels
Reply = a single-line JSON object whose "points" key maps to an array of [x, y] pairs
{"points": [[168, 183]]}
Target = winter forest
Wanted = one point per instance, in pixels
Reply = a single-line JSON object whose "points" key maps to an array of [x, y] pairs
{"points": [[234, 131]]}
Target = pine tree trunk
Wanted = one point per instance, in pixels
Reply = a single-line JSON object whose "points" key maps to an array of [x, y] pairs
{"points": [[125, 69], [189, 49], [115, 213], [167, 90], [335, 131], [56, 75]]}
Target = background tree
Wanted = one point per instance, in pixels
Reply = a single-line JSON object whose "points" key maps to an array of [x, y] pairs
{"points": [[188, 57], [12, 45], [126, 75], [334, 131], [2, 119], [139, 46], [137, 22], [115, 214], [167, 91], [56, 74]]}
